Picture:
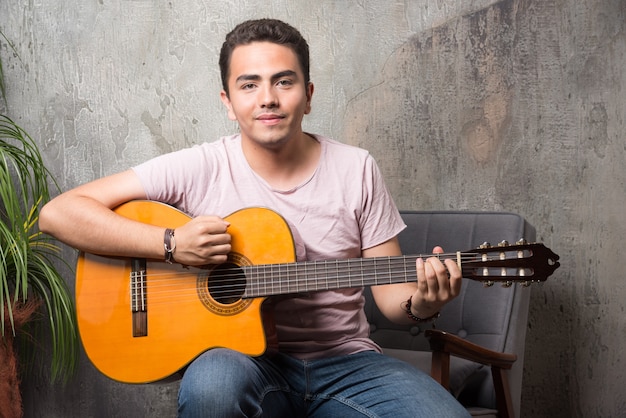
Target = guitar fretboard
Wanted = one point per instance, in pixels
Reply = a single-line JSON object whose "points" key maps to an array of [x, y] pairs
{"points": [[309, 276]]}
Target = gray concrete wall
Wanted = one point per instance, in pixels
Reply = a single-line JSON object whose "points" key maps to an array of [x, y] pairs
{"points": [[513, 105]]}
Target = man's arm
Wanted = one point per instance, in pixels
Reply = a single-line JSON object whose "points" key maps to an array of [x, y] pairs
{"points": [[436, 284], [83, 218]]}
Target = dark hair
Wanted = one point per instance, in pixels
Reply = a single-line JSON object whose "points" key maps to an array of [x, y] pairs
{"points": [[264, 30]]}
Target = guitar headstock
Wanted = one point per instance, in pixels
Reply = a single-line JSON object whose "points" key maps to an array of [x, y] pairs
{"points": [[522, 262]]}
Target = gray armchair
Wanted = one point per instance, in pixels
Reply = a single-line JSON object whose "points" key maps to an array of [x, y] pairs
{"points": [[491, 322]]}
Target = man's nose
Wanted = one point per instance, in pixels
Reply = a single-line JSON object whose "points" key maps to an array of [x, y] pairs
{"points": [[267, 97]]}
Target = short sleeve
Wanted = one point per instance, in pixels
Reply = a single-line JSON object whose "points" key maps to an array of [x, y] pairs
{"points": [[380, 219]]}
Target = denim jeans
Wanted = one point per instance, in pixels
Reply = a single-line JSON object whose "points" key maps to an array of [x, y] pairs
{"points": [[222, 383]]}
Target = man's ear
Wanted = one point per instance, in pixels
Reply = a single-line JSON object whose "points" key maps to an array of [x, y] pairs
{"points": [[228, 104], [309, 96]]}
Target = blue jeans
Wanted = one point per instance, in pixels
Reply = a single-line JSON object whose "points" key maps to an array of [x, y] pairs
{"points": [[222, 383]]}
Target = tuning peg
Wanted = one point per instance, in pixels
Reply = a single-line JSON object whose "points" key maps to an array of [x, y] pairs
{"points": [[487, 283], [521, 241], [508, 283], [484, 245], [503, 243], [525, 283]]}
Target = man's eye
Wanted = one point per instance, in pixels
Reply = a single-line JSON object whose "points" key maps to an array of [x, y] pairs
{"points": [[247, 86], [285, 83]]}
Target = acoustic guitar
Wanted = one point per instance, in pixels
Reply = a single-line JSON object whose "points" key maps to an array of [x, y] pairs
{"points": [[142, 321]]}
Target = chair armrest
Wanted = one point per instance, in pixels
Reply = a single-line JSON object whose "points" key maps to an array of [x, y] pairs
{"points": [[444, 344], [457, 346]]}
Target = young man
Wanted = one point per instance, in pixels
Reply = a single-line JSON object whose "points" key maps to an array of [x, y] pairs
{"points": [[335, 200]]}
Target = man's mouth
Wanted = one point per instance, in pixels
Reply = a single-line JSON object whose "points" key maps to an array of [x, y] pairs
{"points": [[270, 118]]}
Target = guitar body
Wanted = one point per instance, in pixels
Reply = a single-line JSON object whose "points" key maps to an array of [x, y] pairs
{"points": [[182, 319]]}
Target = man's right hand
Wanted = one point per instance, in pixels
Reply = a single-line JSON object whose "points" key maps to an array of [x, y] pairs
{"points": [[203, 240]]}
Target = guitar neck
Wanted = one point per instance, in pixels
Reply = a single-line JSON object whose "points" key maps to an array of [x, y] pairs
{"points": [[523, 263], [309, 276]]}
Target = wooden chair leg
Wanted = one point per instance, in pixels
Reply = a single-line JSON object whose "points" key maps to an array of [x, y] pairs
{"points": [[503, 394], [440, 368]]}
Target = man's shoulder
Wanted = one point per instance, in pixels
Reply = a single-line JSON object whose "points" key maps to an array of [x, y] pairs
{"points": [[220, 146], [337, 147], [223, 142]]}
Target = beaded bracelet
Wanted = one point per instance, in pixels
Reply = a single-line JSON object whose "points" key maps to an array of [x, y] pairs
{"points": [[407, 308], [169, 243]]}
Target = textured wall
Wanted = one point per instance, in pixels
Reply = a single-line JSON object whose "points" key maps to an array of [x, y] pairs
{"points": [[511, 105], [520, 106]]}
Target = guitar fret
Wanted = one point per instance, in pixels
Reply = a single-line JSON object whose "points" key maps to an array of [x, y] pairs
{"points": [[256, 289], [260, 279], [292, 273], [276, 284], [296, 273], [375, 270], [326, 274], [319, 284], [317, 279], [284, 283], [251, 281], [332, 269], [404, 266], [362, 275]]}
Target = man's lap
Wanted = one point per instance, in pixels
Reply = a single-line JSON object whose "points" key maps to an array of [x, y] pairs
{"points": [[367, 384]]}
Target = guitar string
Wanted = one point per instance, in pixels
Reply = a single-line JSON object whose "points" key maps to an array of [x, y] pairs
{"points": [[293, 284]]}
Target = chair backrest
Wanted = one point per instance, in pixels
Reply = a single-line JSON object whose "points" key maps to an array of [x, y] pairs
{"points": [[494, 317]]}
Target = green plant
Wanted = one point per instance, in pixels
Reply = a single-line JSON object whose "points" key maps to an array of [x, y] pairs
{"points": [[27, 256]]}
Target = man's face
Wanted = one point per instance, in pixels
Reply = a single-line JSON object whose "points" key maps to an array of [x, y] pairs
{"points": [[267, 97]]}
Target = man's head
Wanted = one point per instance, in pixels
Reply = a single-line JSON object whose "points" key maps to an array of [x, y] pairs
{"points": [[264, 30]]}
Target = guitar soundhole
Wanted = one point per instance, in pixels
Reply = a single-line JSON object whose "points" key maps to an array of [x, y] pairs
{"points": [[227, 283]]}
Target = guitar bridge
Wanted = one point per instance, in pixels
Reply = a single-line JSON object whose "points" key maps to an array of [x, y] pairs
{"points": [[139, 297]]}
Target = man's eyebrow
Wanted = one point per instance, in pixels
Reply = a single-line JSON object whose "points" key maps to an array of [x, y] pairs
{"points": [[286, 73], [256, 77], [248, 77]]}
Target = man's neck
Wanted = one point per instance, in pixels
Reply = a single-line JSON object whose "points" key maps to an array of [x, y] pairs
{"points": [[286, 166]]}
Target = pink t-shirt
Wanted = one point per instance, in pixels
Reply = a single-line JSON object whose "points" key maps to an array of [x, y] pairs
{"points": [[343, 208]]}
